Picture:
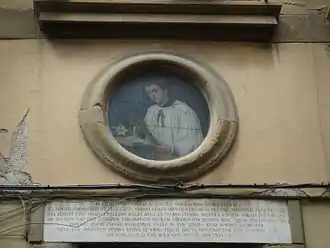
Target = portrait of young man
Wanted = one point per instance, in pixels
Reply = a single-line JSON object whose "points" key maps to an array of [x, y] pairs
{"points": [[172, 123], [154, 121]]}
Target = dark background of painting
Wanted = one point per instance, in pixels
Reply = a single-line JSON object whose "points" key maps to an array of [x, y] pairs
{"points": [[131, 101]]}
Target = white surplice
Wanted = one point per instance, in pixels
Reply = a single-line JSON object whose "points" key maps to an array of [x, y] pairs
{"points": [[176, 126]]}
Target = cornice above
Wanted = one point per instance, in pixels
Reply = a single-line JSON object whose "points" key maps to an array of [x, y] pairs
{"points": [[200, 20]]}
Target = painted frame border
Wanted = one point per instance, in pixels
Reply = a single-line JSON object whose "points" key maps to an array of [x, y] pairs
{"points": [[216, 145]]}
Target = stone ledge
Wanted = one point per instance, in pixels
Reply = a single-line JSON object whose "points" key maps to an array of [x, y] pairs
{"points": [[284, 246], [54, 245], [194, 20], [311, 28]]}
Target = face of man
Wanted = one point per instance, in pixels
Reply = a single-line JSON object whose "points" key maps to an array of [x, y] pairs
{"points": [[157, 94]]}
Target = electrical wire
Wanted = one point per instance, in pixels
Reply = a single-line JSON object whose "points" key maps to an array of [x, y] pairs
{"points": [[8, 212], [195, 190], [19, 209], [162, 186], [34, 206]]}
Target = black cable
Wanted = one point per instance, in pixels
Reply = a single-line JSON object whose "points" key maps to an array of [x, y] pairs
{"points": [[35, 205], [168, 192], [163, 186]]}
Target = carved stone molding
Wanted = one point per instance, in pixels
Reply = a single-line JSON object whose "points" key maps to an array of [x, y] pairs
{"points": [[226, 20], [222, 124]]}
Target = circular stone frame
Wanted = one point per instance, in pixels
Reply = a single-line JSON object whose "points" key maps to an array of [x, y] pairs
{"points": [[222, 131]]}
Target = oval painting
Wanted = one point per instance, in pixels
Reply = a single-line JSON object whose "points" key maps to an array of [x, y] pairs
{"points": [[158, 116]]}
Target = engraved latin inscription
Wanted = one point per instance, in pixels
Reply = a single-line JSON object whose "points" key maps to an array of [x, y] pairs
{"points": [[175, 220]]}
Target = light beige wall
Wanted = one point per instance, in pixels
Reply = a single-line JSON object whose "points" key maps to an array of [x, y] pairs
{"points": [[321, 57], [316, 224], [278, 91]]}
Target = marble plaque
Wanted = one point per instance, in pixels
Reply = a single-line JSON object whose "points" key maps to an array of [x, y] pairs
{"points": [[167, 220]]}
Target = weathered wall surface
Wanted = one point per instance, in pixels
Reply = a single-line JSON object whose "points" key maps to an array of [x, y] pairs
{"points": [[321, 56], [316, 224], [280, 91], [12, 218]]}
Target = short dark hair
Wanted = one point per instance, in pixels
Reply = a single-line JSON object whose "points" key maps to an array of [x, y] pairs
{"points": [[161, 82]]}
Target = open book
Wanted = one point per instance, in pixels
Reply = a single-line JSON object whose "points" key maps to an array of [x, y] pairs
{"points": [[133, 141]]}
